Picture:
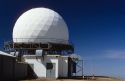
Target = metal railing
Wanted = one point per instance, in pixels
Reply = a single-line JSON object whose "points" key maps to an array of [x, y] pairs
{"points": [[39, 40]]}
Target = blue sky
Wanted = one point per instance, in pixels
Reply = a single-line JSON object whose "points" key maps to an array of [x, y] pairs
{"points": [[97, 29]]}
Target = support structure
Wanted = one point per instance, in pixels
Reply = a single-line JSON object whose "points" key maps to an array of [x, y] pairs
{"points": [[30, 48]]}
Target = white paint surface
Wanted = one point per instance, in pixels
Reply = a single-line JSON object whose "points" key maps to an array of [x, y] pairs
{"points": [[61, 65], [6, 54], [38, 67], [40, 25]]}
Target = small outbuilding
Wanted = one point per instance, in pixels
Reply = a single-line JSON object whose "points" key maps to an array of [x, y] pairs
{"points": [[10, 68]]}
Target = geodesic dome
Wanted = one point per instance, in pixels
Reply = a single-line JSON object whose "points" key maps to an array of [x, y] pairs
{"points": [[40, 25]]}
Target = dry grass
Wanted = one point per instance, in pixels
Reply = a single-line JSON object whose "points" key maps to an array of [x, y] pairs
{"points": [[96, 79], [108, 79]]}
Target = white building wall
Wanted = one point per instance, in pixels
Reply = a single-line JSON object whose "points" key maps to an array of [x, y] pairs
{"points": [[61, 65], [38, 67]]}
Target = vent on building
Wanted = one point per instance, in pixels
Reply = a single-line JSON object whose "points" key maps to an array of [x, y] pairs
{"points": [[39, 52]]}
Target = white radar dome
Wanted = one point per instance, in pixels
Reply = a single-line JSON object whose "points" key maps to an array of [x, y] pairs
{"points": [[40, 25]]}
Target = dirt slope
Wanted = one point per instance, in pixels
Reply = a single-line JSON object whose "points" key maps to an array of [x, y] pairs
{"points": [[97, 79]]}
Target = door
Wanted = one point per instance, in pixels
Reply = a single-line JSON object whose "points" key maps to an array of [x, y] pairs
{"points": [[50, 70]]}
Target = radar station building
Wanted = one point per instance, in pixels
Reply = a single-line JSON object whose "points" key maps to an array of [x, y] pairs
{"points": [[41, 39]]}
